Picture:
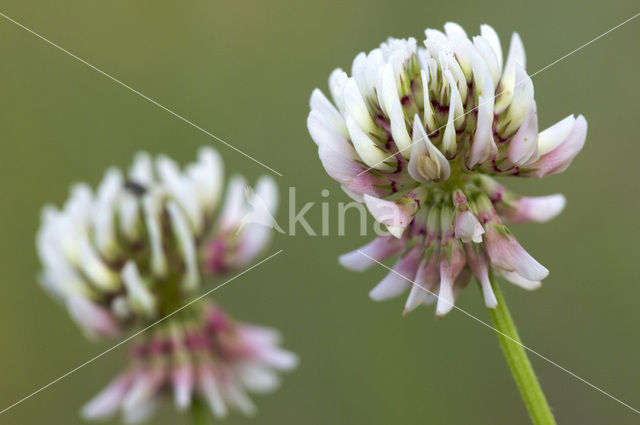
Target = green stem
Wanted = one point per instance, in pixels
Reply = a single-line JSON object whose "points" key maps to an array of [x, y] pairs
{"points": [[519, 363], [199, 413]]}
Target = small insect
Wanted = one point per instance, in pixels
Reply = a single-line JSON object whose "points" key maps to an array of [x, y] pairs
{"points": [[135, 187]]}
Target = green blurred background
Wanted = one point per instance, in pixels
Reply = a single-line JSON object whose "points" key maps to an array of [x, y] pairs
{"points": [[244, 71]]}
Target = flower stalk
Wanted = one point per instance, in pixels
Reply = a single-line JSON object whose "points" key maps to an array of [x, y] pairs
{"points": [[518, 361], [199, 413]]}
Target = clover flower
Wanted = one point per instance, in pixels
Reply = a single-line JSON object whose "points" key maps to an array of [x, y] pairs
{"points": [[136, 250], [139, 245], [206, 355], [418, 134]]}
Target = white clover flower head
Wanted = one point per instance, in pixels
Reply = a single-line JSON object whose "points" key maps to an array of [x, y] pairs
{"points": [[205, 355], [417, 133], [141, 243]]}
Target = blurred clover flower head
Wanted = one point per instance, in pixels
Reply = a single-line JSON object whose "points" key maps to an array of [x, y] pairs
{"points": [[206, 353], [418, 133], [135, 251]]}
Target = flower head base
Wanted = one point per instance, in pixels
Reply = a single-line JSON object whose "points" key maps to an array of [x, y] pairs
{"points": [[417, 134], [138, 246], [206, 355]]}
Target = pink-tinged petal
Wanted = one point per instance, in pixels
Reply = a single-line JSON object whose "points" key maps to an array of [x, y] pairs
{"points": [[560, 158], [480, 268], [349, 174], [450, 268], [523, 147], [395, 215], [522, 282], [506, 253], [182, 378], [468, 228], [259, 335], [278, 358], [143, 392], [379, 249], [107, 402], [399, 279], [96, 321], [536, 208], [550, 138], [423, 288]]}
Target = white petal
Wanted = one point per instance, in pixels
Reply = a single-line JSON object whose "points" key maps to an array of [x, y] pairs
{"points": [[93, 319], [550, 138], [537, 208], [233, 207], [429, 114], [207, 177], [329, 114], [236, 396], [323, 134], [379, 249], [129, 215], [141, 171], [468, 228], [152, 205], [489, 34], [372, 155], [460, 45], [93, 266], [181, 190], [478, 264], [278, 358], [209, 388], [104, 210], [256, 235], [107, 402], [523, 147], [560, 158], [483, 143], [140, 296], [258, 377], [484, 49], [356, 108], [506, 253], [522, 282], [186, 241], [394, 111], [445, 298], [337, 80], [395, 215], [399, 279], [520, 103], [516, 57]]}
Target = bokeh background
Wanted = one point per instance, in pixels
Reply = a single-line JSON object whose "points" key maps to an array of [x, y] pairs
{"points": [[244, 71]]}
